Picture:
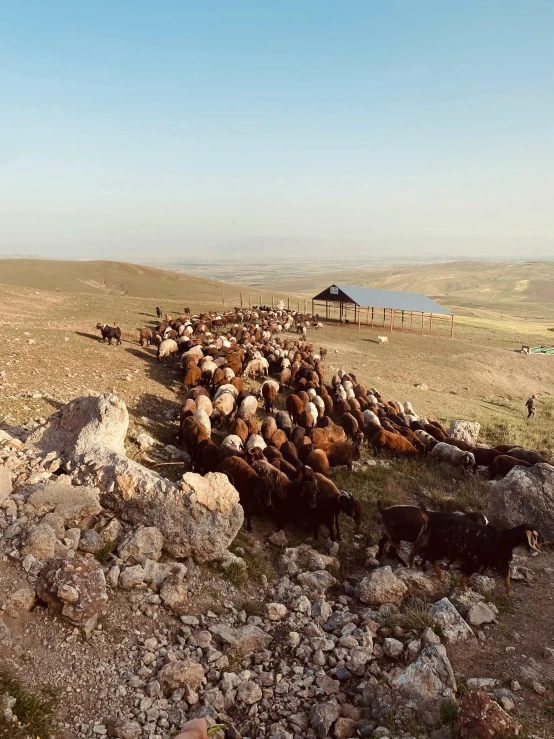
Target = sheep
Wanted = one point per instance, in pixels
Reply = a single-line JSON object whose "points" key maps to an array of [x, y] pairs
{"points": [[167, 348], [527, 455], [203, 418], [331, 502], [371, 416], [312, 409], [269, 427], [426, 439], [341, 453], [250, 486], [145, 336], [255, 440], [405, 523], [192, 433], [207, 457], [203, 402], [351, 428], [278, 439], [463, 445], [223, 405], [323, 436], [232, 445], [474, 548], [305, 420], [192, 376], [287, 496], [290, 453], [283, 420], [270, 389], [382, 339], [256, 367], [317, 460], [502, 464], [248, 407], [484, 456], [393, 443], [453, 455]]}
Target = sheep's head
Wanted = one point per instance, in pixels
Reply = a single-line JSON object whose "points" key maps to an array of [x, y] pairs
{"points": [[346, 502]]}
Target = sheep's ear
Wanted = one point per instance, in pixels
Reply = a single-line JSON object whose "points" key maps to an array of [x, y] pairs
{"points": [[533, 539]]}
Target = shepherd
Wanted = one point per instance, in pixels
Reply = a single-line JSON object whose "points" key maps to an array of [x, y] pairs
{"points": [[531, 406]]}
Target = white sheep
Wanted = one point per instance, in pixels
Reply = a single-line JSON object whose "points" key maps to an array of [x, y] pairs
{"points": [[232, 443], [426, 439], [371, 416], [453, 455], [167, 348], [248, 407], [408, 408], [383, 339], [255, 440], [202, 401], [202, 417], [320, 405], [312, 410], [222, 389]]}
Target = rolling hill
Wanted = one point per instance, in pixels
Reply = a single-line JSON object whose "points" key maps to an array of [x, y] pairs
{"points": [[111, 278], [482, 281]]}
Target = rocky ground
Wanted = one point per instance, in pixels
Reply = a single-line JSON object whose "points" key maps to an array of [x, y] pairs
{"points": [[133, 623]]}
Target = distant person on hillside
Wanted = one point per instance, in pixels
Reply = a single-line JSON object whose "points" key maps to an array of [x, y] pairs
{"points": [[531, 406]]}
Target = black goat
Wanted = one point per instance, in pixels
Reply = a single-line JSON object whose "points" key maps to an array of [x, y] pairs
{"points": [[405, 522], [474, 548], [109, 333]]}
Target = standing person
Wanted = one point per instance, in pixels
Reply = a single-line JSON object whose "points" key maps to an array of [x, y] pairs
{"points": [[195, 729], [531, 406]]}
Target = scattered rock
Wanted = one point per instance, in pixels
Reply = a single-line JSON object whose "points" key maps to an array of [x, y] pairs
{"points": [[275, 611], [322, 717], [480, 614], [428, 677], [453, 626], [482, 718], [74, 589], [180, 674], [5, 484], [145, 543], [382, 586], [174, 594]]}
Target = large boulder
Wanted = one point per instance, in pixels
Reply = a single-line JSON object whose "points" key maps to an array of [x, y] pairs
{"points": [[42, 543], [74, 589], [429, 677], [467, 431], [482, 718], [382, 586], [198, 518], [84, 424], [525, 495]]}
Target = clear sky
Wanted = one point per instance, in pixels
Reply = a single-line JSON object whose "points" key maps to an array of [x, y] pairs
{"points": [[177, 128]]}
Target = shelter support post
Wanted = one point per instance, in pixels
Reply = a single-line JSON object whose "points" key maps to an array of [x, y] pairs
{"points": [[411, 320], [430, 323], [452, 328], [422, 319], [391, 318]]}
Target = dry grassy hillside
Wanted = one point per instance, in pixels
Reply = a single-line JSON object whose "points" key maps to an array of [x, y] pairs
{"points": [[112, 278]]}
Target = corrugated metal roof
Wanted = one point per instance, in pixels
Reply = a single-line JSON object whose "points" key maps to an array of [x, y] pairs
{"points": [[370, 296]]}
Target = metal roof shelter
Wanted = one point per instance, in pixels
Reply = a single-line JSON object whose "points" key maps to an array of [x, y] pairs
{"points": [[399, 305]]}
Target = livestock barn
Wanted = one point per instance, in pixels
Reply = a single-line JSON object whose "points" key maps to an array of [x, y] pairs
{"points": [[389, 309]]}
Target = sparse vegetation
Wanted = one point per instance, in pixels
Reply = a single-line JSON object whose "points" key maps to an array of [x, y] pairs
{"points": [[32, 709]]}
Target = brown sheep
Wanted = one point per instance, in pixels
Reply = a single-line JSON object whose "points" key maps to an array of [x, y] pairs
{"points": [[253, 426], [278, 438], [484, 456], [207, 457], [463, 445], [192, 434], [434, 431], [240, 428], [331, 502], [340, 453], [250, 486], [192, 377], [145, 336], [351, 429], [304, 397], [413, 439], [290, 453], [269, 393], [305, 420], [294, 406], [321, 437], [269, 427], [394, 443], [317, 460], [502, 464], [238, 383]]}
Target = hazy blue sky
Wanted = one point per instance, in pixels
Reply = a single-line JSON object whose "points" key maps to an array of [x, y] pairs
{"points": [[164, 129]]}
